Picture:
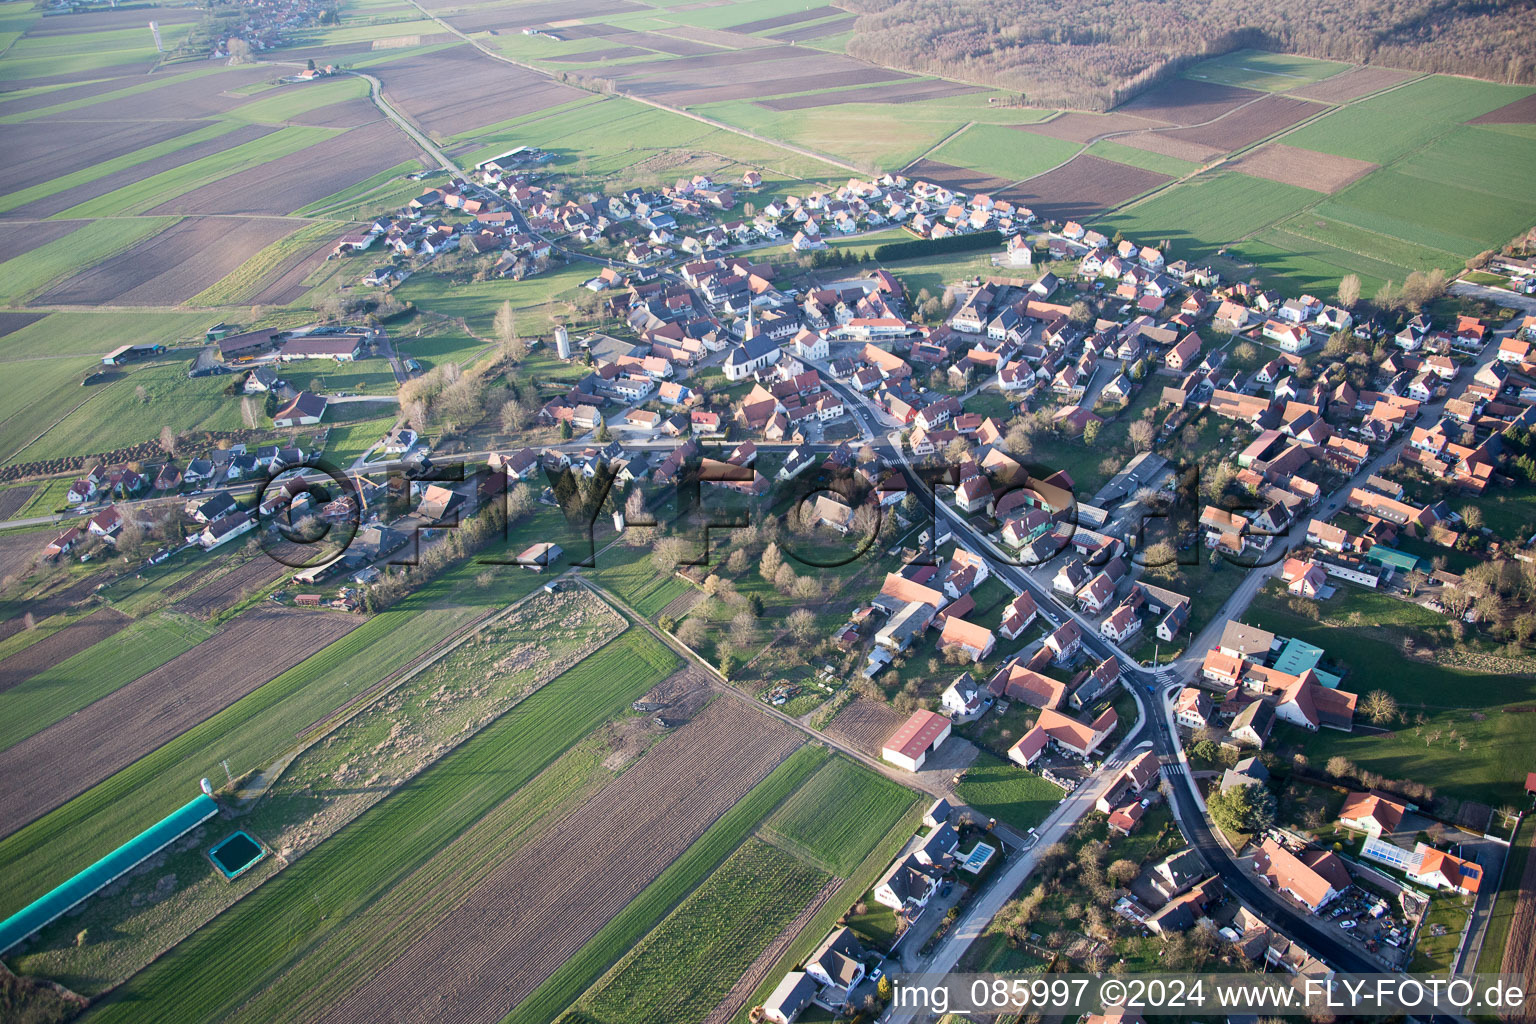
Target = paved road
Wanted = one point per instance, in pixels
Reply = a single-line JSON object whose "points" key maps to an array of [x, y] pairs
{"points": [[376, 93], [1152, 694], [1497, 296], [973, 923]]}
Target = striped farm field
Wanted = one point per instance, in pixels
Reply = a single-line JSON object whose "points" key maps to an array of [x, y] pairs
{"points": [[223, 964], [689, 962], [632, 923], [836, 818], [250, 733], [95, 672]]}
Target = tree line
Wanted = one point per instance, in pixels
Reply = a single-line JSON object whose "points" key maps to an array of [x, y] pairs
{"points": [[1097, 56]]}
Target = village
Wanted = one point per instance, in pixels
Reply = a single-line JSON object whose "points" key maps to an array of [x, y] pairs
{"points": [[1304, 446]]}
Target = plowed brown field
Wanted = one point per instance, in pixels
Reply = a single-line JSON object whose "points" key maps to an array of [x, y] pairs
{"points": [[1520, 949], [865, 724], [1248, 125], [1185, 101], [1083, 186], [224, 591], [1349, 84], [290, 182], [536, 910], [61, 201], [45, 770], [458, 89], [172, 266], [1290, 166], [59, 645]]}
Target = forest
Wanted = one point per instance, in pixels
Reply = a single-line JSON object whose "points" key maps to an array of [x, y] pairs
{"points": [[1093, 56]]}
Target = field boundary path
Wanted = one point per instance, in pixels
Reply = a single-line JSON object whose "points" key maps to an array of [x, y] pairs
{"points": [[477, 44]]}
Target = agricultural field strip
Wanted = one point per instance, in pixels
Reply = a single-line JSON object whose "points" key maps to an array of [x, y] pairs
{"points": [[825, 919], [531, 915], [260, 727], [83, 678], [670, 888], [157, 189], [687, 964], [834, 820], [1447, 127], [59, 645], [339, 883], [337, 777]]}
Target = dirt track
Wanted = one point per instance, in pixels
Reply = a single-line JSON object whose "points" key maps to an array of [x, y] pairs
{"points": [[535, 911], [53, 766]]}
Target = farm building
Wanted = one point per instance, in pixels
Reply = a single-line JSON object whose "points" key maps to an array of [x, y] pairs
{"points": [[539, 556], [249, 345], [910, 746], [305, 410], [127, 353], [341, 347]]}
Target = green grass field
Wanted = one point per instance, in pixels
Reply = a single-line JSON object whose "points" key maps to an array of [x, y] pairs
{"points": [[836, 818], [328, 888], [1391, 125], [688, 963], [169, 398], [1122, 154], [628, 571], [33, 705], [80, 333], [1203, 214], [347, 441], [1003, 790], [1006, 152], [1260, 69], [1462, 707]]}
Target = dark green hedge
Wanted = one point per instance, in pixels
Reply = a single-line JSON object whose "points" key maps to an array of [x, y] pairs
{"points": [[935, 246]]}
